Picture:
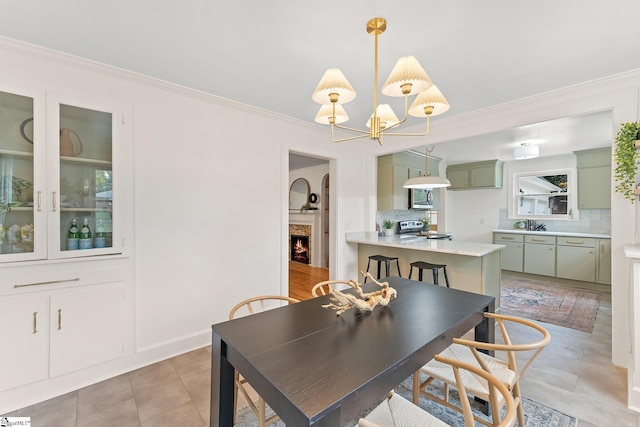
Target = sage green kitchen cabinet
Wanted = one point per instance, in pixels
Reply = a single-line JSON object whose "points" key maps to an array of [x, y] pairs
{"points": [[466, 176], [576, 258], [594, 178], [511, 257], [540, 255], [394, 170], [603, 260]]}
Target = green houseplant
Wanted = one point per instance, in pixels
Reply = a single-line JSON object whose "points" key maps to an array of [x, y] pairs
{"points": [[387, 224], [627, 159]]}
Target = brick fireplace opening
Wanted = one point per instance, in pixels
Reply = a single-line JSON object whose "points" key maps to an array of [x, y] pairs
{"points": [[300, 251]]}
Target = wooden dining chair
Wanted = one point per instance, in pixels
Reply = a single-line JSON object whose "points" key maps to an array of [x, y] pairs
{"points": [[245, 308], [396, 411], [471, 352], [326, 287]]}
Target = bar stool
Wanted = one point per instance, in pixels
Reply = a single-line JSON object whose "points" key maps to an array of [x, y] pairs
{"points": [[387, 264], [421, 265]]}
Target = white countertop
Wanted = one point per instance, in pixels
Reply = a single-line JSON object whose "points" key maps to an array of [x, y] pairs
{"points": [[555, 233], [424, 244]]}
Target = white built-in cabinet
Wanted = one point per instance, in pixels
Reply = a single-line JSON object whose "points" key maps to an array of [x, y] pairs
{"points": [[64, 309], [58, 161]]}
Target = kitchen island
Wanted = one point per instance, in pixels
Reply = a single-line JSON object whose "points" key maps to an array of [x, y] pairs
{"points": [[472, 267]]}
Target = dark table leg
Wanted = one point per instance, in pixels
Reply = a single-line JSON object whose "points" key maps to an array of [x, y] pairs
{"points": [[485, 331], [222, 377]]}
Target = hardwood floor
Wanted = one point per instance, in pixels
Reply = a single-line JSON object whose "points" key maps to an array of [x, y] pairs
{"points": [[302, 277]]}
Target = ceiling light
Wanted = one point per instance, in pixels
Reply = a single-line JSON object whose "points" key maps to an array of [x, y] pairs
{"points": [[427, 181], [407, 78], [526, 151]]}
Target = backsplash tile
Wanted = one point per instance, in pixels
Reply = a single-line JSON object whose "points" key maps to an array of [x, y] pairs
{"points": [[591, 221]]}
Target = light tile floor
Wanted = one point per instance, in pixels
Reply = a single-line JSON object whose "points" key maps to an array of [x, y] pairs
{"points": [[573, 374]]}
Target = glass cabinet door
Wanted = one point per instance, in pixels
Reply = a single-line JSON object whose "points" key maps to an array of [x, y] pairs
{"points": [[83, 195], [56, 170], [21, 229]]}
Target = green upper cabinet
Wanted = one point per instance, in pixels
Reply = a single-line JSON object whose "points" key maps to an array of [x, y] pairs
{"points": [[594, 178], [468, 176], [394, 170]]}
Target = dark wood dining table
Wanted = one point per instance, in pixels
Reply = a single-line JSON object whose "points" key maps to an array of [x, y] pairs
{"points": [[314, 368]]}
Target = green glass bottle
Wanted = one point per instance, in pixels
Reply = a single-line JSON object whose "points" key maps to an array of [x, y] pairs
{"points": [[85, 235], [73, 236]]}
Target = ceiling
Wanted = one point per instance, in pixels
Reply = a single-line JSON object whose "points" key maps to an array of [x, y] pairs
{"points": [[271, 55]]}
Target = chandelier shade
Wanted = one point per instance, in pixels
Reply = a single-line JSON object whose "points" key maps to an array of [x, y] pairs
{"points": [[407, 78], [387, 116], [406, 71], [325, 114], [333, 82], [431, 97]]}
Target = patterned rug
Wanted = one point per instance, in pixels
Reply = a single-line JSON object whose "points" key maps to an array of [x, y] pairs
{"points": [[535, 414], [573, 308]]}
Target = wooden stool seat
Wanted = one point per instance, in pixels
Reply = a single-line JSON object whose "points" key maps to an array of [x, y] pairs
{"points": [[387, 264], [422, 265]]}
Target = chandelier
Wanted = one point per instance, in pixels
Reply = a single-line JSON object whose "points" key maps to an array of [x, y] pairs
{"points": [[406, 79]]}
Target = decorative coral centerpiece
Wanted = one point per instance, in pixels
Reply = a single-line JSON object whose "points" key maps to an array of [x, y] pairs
{"points": [[361, 301]]}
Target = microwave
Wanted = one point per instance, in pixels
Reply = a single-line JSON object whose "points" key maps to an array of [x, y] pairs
{"points": [[420, 198]]}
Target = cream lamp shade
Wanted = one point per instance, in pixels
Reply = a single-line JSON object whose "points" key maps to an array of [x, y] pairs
{"points": [[406, 71], [387, 116], [333, 82], [326, 112], [431, 97]]}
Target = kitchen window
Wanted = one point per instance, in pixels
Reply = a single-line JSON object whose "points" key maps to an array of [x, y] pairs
{"points": [[547, 194]]}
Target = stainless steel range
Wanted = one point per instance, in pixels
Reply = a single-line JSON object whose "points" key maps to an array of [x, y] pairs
{"points": [[414, 228]]}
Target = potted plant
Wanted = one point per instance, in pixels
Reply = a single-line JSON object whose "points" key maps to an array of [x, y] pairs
{"points": [[627, 159], [426, 222], [388, 226]]}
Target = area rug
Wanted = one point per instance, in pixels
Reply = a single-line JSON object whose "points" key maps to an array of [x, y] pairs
{"points": [[560, 305], [535, 414]]}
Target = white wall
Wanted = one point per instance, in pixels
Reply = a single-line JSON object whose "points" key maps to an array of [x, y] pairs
{"points": [[211, 196]]}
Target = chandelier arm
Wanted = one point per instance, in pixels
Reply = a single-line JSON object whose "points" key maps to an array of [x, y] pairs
{"points": [[366, 132], [404, 119], [410, 134], [348, 138]]}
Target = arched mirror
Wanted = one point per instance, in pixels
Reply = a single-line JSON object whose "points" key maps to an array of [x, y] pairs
{"points": [[299, 193]]}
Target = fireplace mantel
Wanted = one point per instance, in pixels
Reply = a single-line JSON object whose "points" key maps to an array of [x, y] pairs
{"points": [[311, 218]]}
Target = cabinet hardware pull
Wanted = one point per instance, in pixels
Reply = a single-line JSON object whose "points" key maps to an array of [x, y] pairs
{"points": [[46, 283], [35, 322], [538, 240], [507, 238], [575, 242], [59, 318], [550, 249], [53, 200], [39, 201]]}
